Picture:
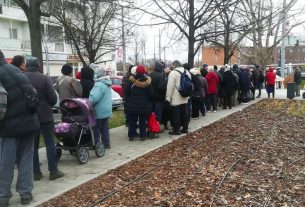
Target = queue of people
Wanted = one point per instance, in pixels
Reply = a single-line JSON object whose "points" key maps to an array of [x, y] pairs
{"points": [[175, 93]]}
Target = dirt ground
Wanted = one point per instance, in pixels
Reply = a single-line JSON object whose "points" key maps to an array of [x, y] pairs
{"points": [[255, 157]]}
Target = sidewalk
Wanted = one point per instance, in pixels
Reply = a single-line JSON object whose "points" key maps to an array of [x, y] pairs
{"points": [[122, 151]]}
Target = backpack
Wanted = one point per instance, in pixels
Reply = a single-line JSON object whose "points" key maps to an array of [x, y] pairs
{"points": [[186, 88], [3, 101]]}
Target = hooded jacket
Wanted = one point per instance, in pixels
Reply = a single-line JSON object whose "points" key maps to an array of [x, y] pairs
{"points": [[139, 95], [158, 82], [19, 120], [244, 80], [101, 97], [87, 81], [46, 94], [213, 82], [270, 77], [200, 86]]}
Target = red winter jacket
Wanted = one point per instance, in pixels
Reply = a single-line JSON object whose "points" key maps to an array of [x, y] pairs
{"points": [[213, 81], [270, 77]]}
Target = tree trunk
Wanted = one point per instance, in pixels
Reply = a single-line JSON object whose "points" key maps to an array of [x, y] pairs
{"points": [[35, 34]]}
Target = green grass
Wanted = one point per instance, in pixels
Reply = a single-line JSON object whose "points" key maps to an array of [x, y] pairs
{"points": [[302, 84], [116, 120]]}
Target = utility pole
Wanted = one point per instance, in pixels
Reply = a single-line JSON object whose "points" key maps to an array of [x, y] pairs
{"points": [[159, 45], [123, 41], [164, 54], [154, 49], [45, 40], [283, 40]]}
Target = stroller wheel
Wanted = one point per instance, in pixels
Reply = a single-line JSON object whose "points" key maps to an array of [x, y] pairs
{"points": [[99, 149], [82, 155], [58, 153]]}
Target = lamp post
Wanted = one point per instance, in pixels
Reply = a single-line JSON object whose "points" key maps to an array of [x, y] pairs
{"points": [[283, 40]]}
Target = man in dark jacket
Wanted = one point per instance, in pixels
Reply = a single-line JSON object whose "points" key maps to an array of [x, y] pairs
{"points": [[159, 87], [17, 131], [229, 86], [261, 80], [204, 70], [87, 81], [297, 80], [47, 98], [244, 85]]}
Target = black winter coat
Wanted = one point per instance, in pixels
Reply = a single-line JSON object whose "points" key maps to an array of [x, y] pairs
{"points": [[139, 96], [19, 119], [46, 94], [244, 80], [159, 84], [297, 77], [229, 83], [87, 82]]}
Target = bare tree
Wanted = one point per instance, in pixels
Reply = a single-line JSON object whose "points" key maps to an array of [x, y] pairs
{"points": [[265, 36], [89, 27], [34, 10], [190, 17]]}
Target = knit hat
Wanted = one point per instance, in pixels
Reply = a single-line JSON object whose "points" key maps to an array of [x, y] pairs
{"points": [[133, 70], [100, 72], [140, 69], [66, 69]]}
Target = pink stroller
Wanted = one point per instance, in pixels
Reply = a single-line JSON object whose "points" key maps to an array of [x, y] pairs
{"points": [[75, 131]]}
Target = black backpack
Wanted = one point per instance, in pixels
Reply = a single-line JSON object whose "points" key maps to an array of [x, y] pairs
{"points": [[186, 88]]}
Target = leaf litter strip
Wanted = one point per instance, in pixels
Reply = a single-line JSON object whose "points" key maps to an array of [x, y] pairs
{"points": [[149, 171]]}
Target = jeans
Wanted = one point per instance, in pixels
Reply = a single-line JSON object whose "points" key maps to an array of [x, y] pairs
{"points": [[132, 125], [244, 95], [18, 151], [179, 115], [157, 109], [211, 100], [101, 129], [259, 87], [297, 90], [46, 129]]}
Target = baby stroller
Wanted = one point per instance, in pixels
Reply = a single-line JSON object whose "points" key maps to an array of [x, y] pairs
{"points": [[75, 133]]}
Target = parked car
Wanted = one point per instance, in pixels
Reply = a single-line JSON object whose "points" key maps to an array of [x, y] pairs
{"points": [[117, 85], [117, 100]]}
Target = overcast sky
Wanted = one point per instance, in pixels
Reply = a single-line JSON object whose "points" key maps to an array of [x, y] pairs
{"points": [[178, 50]]}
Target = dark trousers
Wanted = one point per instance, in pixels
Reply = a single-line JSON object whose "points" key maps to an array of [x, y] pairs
{"points": [[46, 129], [227, 101], [166, 113], [101, 129], [211, 101], [132, 125], [259, 87], [156, 107], [244, 95], [179, 115], [198, 105], [16, 151]]}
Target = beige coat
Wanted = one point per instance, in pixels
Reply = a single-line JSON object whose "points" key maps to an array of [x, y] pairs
{"points": [[68, 87], [172, 94]]}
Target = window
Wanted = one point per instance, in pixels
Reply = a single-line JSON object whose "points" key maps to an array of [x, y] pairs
{"points": [[4, 2], [13, 33]]}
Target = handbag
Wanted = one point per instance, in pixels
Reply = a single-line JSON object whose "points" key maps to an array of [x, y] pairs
{"points": [[152, 123], [3, 101]]}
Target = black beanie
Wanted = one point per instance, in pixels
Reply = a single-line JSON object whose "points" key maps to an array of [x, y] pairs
{"points": [[32, 62], [66, 69]]}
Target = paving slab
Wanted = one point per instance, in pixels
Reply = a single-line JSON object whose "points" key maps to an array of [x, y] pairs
{"points": [[122, 151]]}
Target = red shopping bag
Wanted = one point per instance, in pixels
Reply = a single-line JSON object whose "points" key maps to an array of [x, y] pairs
{"points": [[153, 125]]}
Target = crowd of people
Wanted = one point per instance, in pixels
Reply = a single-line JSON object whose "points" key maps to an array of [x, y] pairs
{"points": [[163, 89]]}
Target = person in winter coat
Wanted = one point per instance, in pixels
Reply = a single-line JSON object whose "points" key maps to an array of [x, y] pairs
{"points": [[236, 73], [159, 87], [139, 94], [244, 85], [17, 130], [200, 90], [297, 79], [204, 70], [213, 82], [87, 81], [101, 99], [178, 103], [270, 81], [66, 86], [254, 82], [47, 99], [261, 80], [166, 113], [229, 86], [19, 62], [125, 84]]}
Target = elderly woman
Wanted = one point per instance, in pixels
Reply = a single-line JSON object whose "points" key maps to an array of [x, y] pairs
{"points": [[101, 99]]}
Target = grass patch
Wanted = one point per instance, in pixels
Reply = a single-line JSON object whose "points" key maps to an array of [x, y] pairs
{"points": [[302, 84], [116, 120]]}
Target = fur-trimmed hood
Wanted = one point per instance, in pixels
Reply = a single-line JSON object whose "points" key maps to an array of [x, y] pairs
{"points": [[142, 82]]}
